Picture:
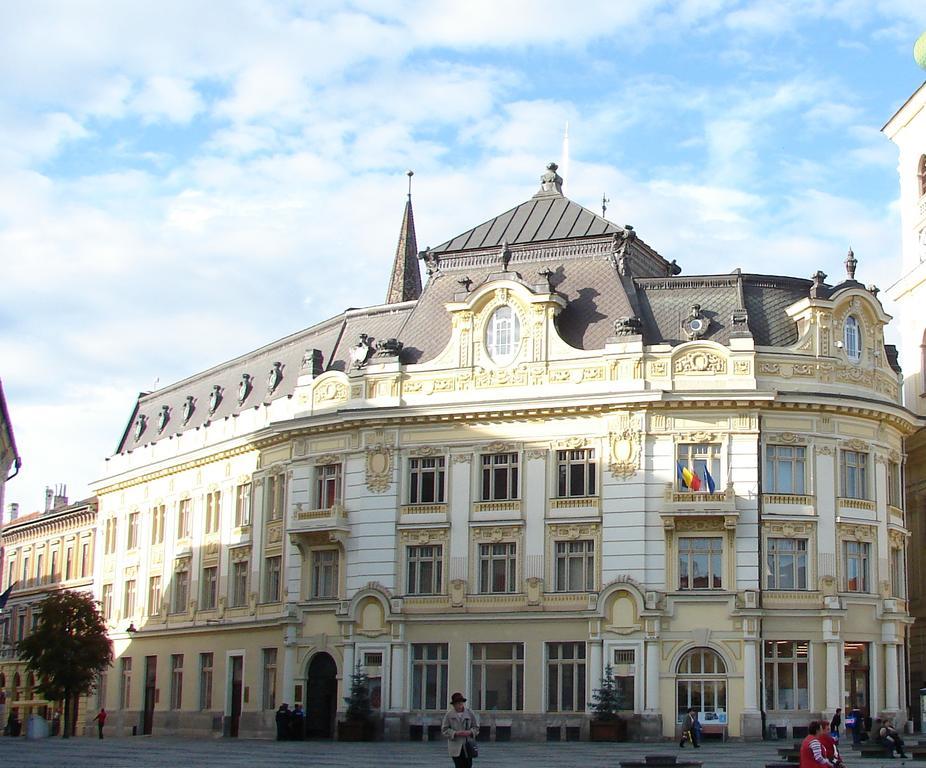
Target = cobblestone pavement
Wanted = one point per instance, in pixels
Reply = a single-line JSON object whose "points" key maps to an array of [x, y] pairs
{"points": [[155, 752]]}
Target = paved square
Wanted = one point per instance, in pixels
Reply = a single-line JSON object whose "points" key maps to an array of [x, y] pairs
{"points": [[155, 752]]}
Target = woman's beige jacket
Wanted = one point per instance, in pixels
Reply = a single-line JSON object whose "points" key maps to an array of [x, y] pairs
{"points": [[458, 721]]}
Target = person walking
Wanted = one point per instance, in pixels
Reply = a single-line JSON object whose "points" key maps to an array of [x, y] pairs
{"points": [[812, 754], [691, 729], [835, 723], [282, 720], [460, 727], [100, 721]]}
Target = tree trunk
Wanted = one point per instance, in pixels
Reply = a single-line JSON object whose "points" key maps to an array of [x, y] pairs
{"points": [[75, 714], [67, 715]]}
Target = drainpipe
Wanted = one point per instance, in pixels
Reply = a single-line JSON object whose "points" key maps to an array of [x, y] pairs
{"points": [[759, 580]]}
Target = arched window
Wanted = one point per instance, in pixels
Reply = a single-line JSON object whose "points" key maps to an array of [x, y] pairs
{"points": [[701, 684], [503, 335], [852, 338], [921, 175]]}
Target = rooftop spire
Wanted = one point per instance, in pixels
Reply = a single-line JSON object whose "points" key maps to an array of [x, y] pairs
{"points": [[405, 282]]}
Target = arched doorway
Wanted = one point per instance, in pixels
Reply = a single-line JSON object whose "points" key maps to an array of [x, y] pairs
{"points": [[701, 684], [321, 697]]}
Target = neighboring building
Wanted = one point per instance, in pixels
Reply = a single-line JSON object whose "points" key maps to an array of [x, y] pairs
{"points": [[560, 455], [907, 129], [10, 460], [45, 552]]}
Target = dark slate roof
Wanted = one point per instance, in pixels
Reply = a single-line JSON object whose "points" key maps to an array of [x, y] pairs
{"points": [[332, 338]]}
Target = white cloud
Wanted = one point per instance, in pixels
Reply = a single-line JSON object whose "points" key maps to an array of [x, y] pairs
{"points": [[167, 98]]}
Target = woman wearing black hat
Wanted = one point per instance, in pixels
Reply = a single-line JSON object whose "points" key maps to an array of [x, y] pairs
{"points": [[460, 727]]}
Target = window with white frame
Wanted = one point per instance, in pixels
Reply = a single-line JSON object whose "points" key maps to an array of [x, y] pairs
{"points": [[503, 335], [852, 338], [107, 601], [576, 473], [324, 573], [213, 511], [785, 467], [125, 686], [181, 590], [157, 524], [701, 684], [430, 673], [209, 587], [497, 675], [426, 482], [498, 567], [269, 687], [239, 583], [176, 681], [128, 599], [856, 557], [894, 485], [154, 595], [425, 569], [274, 496], [700, 562], [131, 538], [109, 545], [327, 486], [206, 661], [898, 573], [854, 471], [243, 505], [698, 466], [85, 559], [272, 578], [575, 566], [565, 677], [184, 513], [786, 676], [786, 561], [499, 476]]}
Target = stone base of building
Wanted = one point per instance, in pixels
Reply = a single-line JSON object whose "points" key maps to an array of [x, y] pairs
{"points": [[649, 727], [751, 726]]}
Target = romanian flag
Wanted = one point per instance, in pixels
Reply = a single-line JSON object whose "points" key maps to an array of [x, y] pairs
{"points": [[709, 480], [689, 479]]}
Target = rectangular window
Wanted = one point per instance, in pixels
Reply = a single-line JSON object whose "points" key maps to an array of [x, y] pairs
{"points": [[565, 677], [84, 560], [131, 538], [55, 575], [107, 601], [205, 681], [499, 476], [209, 588], [425, 569], [324, 573], [275, 495], [426, 483], [110, 537], [184, 513], [327, 486], [898, 578], [157, 524], [856, 555], [68, 563], [498, 676], [269, 690], [786, 677], [498, 567], [125, 688], [854, 474], [176, 681], [624, 670], [272, 569], [213, 511], [894, 485], [101, 690], [785, 469], [430, 673], [575, 566], [702, 460], [699, 563], [239, 583], [154, 595], [40, 567], [128, 599], [181, 595], [786, 564], [243, 505], [576, 473]]}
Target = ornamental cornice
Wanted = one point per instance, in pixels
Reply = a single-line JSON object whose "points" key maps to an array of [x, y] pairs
{"points": [[424, 536], [496, 533], [854, 444], [856, 531], [573, 531], [789, 528], [788, 438]]}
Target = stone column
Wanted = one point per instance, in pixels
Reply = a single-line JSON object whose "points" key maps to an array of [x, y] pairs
{"points": [[289, 664], [891, 693], [397, 678], [651, 698], [750, 677], [833, 677], [595, 667]]}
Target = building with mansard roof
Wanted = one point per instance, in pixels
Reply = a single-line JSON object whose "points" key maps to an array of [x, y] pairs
{"points": [[559, 456]]}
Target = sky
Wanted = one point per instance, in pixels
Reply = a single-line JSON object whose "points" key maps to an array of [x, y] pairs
{"points": [[183, 182]]}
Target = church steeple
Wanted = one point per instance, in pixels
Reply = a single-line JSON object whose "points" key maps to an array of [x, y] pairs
{"points": [[405, 282]]}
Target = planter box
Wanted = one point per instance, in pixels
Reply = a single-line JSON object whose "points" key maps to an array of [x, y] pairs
{"points": [[350, 730], [607, 730]]}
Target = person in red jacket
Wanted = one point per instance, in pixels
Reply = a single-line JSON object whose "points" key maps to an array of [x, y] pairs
{"points": [[100, 721], [828, 743], [812, 754]]}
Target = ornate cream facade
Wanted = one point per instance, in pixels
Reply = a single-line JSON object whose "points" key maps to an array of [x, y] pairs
{"points": [[482, 494]]}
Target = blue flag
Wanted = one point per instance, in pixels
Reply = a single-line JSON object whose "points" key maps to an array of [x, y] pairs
{"points": [[709, 480]]}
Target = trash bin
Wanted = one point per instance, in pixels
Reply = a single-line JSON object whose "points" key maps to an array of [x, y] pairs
{"points": [[37, 727]]}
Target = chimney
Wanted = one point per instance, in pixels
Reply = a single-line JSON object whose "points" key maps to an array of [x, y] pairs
{"points": [[14, 511], [49, 498], [61, 496]]}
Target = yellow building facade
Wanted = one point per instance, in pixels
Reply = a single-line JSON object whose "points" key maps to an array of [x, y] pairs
{"points": [[560, 455]]}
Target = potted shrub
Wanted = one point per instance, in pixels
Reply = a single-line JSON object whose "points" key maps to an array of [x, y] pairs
{"points": [[607, 701], [358, 724]]}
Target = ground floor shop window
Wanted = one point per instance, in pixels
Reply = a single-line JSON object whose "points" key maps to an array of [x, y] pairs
{"points": [[565, 677], [701, 684], [430, 670], [786, 674], [498, 676]]}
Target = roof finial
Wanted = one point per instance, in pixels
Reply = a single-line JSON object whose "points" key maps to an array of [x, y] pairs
{"points": [[851, 263], [551, 183], [604, 204], [409, 174]]}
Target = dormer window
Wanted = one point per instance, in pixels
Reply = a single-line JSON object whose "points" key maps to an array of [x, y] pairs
{"points": [[503, 335], [852, 339]]}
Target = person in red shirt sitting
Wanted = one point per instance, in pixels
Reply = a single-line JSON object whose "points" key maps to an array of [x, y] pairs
{"points": [[812, 754]]}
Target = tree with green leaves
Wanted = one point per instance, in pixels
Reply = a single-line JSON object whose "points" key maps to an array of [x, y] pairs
{"points": [[68, 649], [607, 701], [359, 706]]}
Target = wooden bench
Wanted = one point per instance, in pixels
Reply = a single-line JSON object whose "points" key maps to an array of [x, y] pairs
{"points": [[873, 750], [714, 729], [791, 754]]}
